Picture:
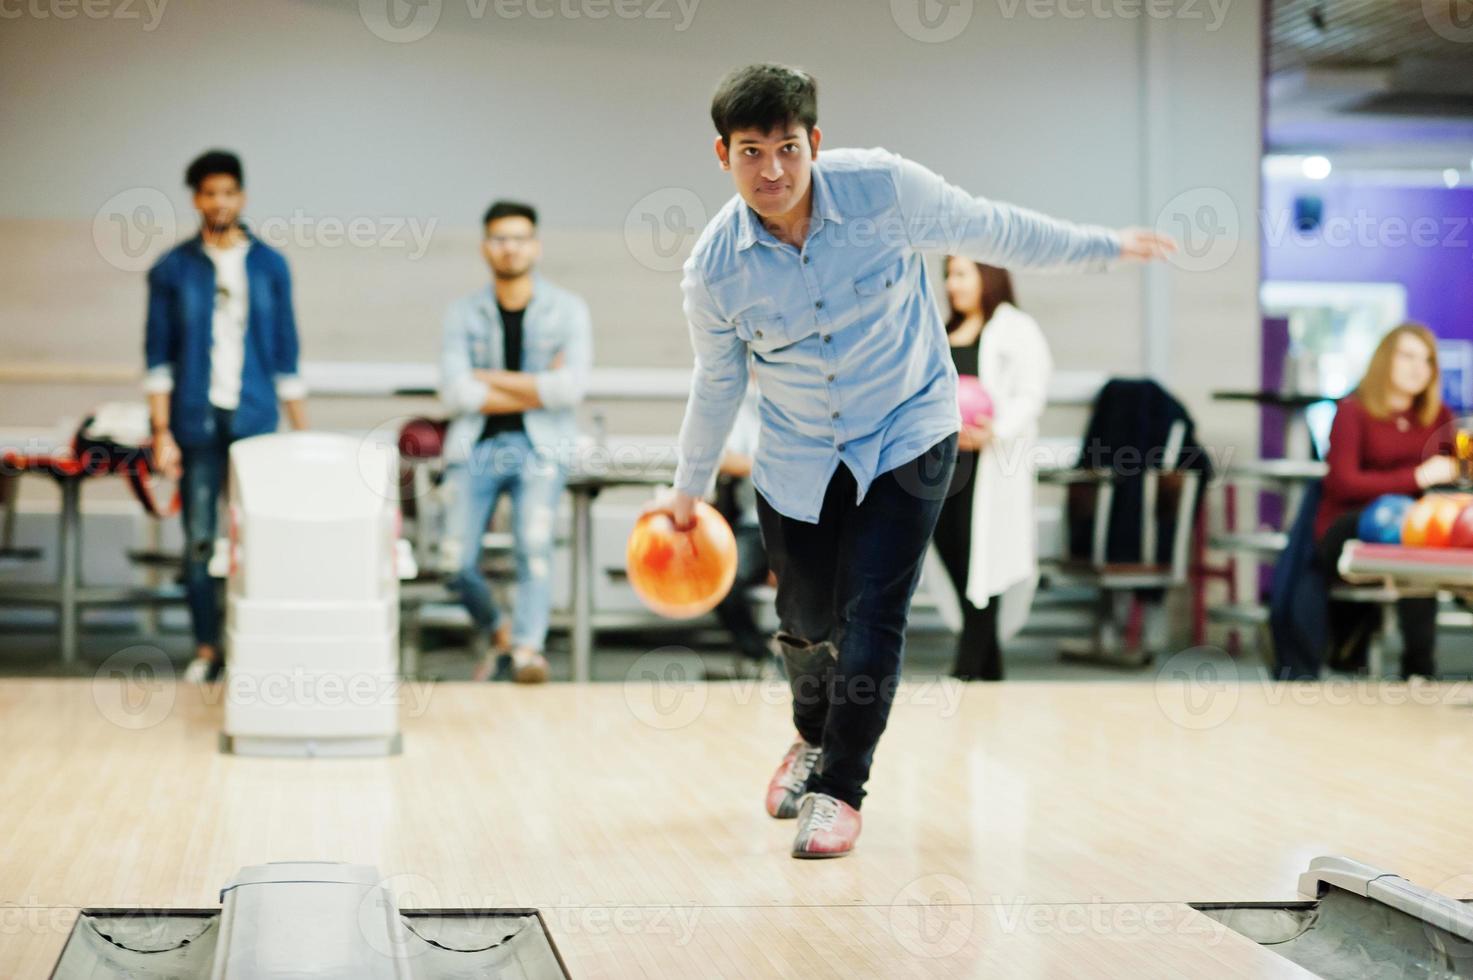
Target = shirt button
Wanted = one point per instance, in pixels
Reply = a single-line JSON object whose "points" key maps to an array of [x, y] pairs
{"points": [[831, 377], [826, 338], [818, 305], [759, 333], [805, 260], [841, 447], [834, 416]]}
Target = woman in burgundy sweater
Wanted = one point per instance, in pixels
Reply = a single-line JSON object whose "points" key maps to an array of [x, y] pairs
{"points": [[1391, 435]]}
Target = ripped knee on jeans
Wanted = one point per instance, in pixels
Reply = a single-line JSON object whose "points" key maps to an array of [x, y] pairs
{"points": [[806, 655]]}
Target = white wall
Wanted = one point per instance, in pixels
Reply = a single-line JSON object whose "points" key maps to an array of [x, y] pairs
{"points": [[586, 118]]}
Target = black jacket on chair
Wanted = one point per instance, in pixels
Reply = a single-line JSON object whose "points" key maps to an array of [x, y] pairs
{"points": [[1128, 429]]}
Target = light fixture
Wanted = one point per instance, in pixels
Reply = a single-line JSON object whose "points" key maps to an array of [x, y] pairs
{"points": [[1316, 167], [1451, 177]]}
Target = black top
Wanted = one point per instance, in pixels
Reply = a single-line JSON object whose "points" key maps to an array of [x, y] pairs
{"points": [[511, 346], [965, 358]]}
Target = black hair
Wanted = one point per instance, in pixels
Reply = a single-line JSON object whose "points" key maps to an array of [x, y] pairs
{"points": [[509, 209], [763, 97], [210, 163]]}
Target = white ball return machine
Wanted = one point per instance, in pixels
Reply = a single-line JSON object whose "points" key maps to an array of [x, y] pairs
{"points": [[313, 563]]}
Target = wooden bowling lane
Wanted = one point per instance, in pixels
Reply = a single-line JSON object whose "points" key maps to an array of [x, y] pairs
{"points": [[1052, 819]]}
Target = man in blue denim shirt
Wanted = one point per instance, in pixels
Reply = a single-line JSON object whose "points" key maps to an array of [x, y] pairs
{"points": [[221, 348], [816, 269], [514, 363]]}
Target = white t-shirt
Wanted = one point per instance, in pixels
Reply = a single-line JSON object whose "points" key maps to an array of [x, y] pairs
{"points": [[227, 347]]}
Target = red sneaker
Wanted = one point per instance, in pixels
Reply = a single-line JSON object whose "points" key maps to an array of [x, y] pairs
{"points": [[790, 781], [826, 827]]}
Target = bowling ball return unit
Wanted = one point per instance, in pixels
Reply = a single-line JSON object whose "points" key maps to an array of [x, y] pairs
{"points": [[308, 919], [312, 568], [1359, 922], [323, 919]]}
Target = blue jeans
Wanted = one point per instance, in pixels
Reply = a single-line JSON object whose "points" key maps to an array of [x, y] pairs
{"points": [[205, 468], [507, 463], [844, 587]]}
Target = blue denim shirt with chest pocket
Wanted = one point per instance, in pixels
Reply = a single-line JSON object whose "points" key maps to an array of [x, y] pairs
{"points": [[845, 335]]}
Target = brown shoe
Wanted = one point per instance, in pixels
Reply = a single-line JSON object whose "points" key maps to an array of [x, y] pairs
{"points": [[528, 666]]}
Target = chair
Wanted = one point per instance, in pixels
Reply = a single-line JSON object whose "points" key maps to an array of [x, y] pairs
{"points": [[421, 466], [1169, 506]]}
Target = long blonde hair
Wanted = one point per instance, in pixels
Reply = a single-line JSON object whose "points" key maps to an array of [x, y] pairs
{"points": [[1375, 388]]}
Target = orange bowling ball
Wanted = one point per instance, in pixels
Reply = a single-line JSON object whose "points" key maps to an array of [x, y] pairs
{"points": [[677, 573], [1429, 522]]}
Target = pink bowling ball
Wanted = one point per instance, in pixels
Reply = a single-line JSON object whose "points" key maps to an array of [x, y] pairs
{"points": [[973, 400]]}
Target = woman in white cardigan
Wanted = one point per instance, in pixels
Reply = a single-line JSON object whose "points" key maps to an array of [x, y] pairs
{"points": [[987, 531]]}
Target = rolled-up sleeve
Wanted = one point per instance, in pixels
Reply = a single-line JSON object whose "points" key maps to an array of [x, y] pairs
{"points": [[459, 390], [943, 218], [158, 380], [289, 383], [158, 334], [290, 387], [564, 387], [718, 383]]}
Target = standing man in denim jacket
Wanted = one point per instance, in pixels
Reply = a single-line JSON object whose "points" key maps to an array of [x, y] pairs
{"points": [[816, 268], [221, 347], [514, 364]]}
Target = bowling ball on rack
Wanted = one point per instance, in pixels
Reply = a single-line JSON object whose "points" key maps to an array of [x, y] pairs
{"points": [[1462, 533], [1429, 522], [1380, 522], [682, 573]]}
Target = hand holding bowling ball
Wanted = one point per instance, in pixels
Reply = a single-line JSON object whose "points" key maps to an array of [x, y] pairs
{"points": [[681, 573], [973, 400], [680, 506]]}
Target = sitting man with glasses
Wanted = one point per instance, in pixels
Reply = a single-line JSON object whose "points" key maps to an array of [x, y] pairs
{"points": [[514, 363]]}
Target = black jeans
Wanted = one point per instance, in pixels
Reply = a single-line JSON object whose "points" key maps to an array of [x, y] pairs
{"points": [[735, 612], [978, 651], [844, 587], [1352, 623]]}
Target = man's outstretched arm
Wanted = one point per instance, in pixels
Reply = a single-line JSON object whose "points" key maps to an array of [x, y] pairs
{"points": [[940, 217]]}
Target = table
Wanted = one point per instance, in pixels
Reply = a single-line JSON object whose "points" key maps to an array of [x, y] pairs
{"points": [[1297, 442], [585, 486], [68, 593]]}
